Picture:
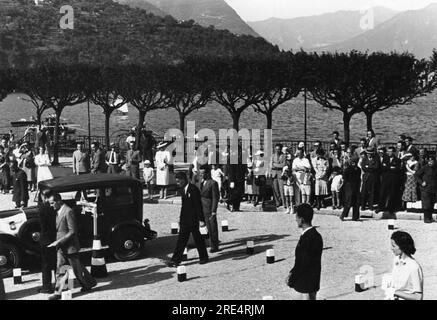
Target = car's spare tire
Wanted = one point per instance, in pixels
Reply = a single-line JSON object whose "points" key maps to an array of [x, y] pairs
{"points": [[10, 258], [127, 243]]}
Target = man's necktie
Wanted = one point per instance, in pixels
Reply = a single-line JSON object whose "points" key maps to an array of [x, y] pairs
{"points": [[201, 185], [112, 157]]}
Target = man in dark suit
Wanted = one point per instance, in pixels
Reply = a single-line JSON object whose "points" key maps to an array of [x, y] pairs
{"points": [[47, 219], [236, 175], [67, 247], [149, 143], [133, 159], [191, 217], [427, 180], [370, 168], [20, 191], [305, 275], [113, 159], [390, 182], [81, 160], [98, 164], [210, 195], [351, 186]]}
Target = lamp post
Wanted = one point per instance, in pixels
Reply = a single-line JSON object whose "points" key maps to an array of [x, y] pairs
{"points": [[89, 126], [305, 117]]}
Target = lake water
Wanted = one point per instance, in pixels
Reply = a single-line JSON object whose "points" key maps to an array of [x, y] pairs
{"points": [[418, 120]]}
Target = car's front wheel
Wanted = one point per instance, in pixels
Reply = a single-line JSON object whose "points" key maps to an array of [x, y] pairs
{"points": [[10, 258], [127, 243]]}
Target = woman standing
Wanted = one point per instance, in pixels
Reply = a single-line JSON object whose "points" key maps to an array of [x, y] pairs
{"points": [[407, 275], [249, 179], [410, 186], [43, 162], [162, 160], [259, 178], [321, 186]]}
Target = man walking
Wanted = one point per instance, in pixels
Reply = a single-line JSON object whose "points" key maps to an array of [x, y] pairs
{"points": [[210, 196], [98, 164], [305, 275], [81, 160], [276, 167], [427, 179], [190, 219], [20, 195], [67, 248]]}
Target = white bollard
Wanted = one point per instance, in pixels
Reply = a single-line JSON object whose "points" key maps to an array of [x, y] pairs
{"points": [[67, 295], [185, 255], [391, 224], [17, 275], [174, 228], [360, 283], [225, 226], [270, 255], [182, 273], [250, 247]]}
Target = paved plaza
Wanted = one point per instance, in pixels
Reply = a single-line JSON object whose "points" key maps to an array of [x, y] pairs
{"points": [[232, 274]]}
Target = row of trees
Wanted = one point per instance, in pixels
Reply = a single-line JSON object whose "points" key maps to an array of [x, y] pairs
{"points": [[351, 83]]}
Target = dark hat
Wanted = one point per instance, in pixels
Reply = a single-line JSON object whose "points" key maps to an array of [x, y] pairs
{"points": [[370, 150], [112, 145]]}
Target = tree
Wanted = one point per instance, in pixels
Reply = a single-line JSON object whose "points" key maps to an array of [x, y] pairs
{"points": [[59, 86], [278, 83], [392, 80], [146, 90], [231, 83], [186, 90], [107, 88]]}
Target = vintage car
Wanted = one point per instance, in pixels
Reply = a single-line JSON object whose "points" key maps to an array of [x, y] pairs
{"points": [[120, 212]]}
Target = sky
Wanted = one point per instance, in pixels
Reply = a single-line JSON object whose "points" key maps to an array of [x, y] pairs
{"points": [[254, 10]]}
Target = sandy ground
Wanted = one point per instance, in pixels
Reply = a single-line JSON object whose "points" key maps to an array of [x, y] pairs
{"points": [[232, 274]]}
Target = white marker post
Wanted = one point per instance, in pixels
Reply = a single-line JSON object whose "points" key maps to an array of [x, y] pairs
{"points": [[391, 224], [185, 255], [174, 228], [270, 255], [225, 225], [16, 273], [182, 273], [360, 283], [250, 247]]}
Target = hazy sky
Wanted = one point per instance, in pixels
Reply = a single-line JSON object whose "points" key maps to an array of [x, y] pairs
{"points": [[253, 10]]}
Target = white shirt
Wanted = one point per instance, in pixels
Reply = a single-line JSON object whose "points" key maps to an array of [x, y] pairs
{"points": [[186, 188], [217, 174], [407, 275], [303, 231], [337, 183]]}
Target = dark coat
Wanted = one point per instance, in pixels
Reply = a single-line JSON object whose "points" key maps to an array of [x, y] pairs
{"points": [[47, 218], [429, 175], [370, 169], [191, 211], [20, 192], [67, 230], [98, 164], [5, 176], [305, 275], [210, 196], [352, 179]]}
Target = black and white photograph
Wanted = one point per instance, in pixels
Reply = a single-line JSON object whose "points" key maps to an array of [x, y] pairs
{"points": [[233, 151]]}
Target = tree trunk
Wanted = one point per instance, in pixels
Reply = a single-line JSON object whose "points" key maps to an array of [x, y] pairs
{"points": [[369, 117], [182, 122], [107, 118], [269, 116], [236, 120], [141, 118], [346, 126], [56, 138]]}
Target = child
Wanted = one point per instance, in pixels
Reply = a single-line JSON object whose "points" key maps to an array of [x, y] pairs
{"points": [[336, 184], [217, 175], [290, 182], [148, 175]]}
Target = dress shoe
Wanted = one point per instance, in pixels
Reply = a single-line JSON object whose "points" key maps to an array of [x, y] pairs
{"points": [[429, 221], [172, 264], [204, 261], [55, 297]]}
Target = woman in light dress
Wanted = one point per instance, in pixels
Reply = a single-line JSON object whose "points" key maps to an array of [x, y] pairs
{"points": [[43, 162], [410, 186], [406, 281], [163, 159]]}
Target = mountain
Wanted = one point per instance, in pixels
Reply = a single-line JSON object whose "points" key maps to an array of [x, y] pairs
{"points": [[414, 31], [106, 32], [317, 31], [141, 4], [205, 12]]}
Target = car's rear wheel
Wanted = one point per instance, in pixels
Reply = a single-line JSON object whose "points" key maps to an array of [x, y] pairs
{"points": [[127, 243], [10, 258]]}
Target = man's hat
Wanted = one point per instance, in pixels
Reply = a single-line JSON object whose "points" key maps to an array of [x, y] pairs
{"points": [[146, 162], [259, 153], [370, 150], [112, 145], [163, 144]]}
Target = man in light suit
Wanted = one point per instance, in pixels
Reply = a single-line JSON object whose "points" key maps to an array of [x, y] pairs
{"points": [[133, 159], [305, 275], [98, 164], [67, 247], [190, 219], [275, 172], [81, 161], [210, 196], [113, 159]]}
